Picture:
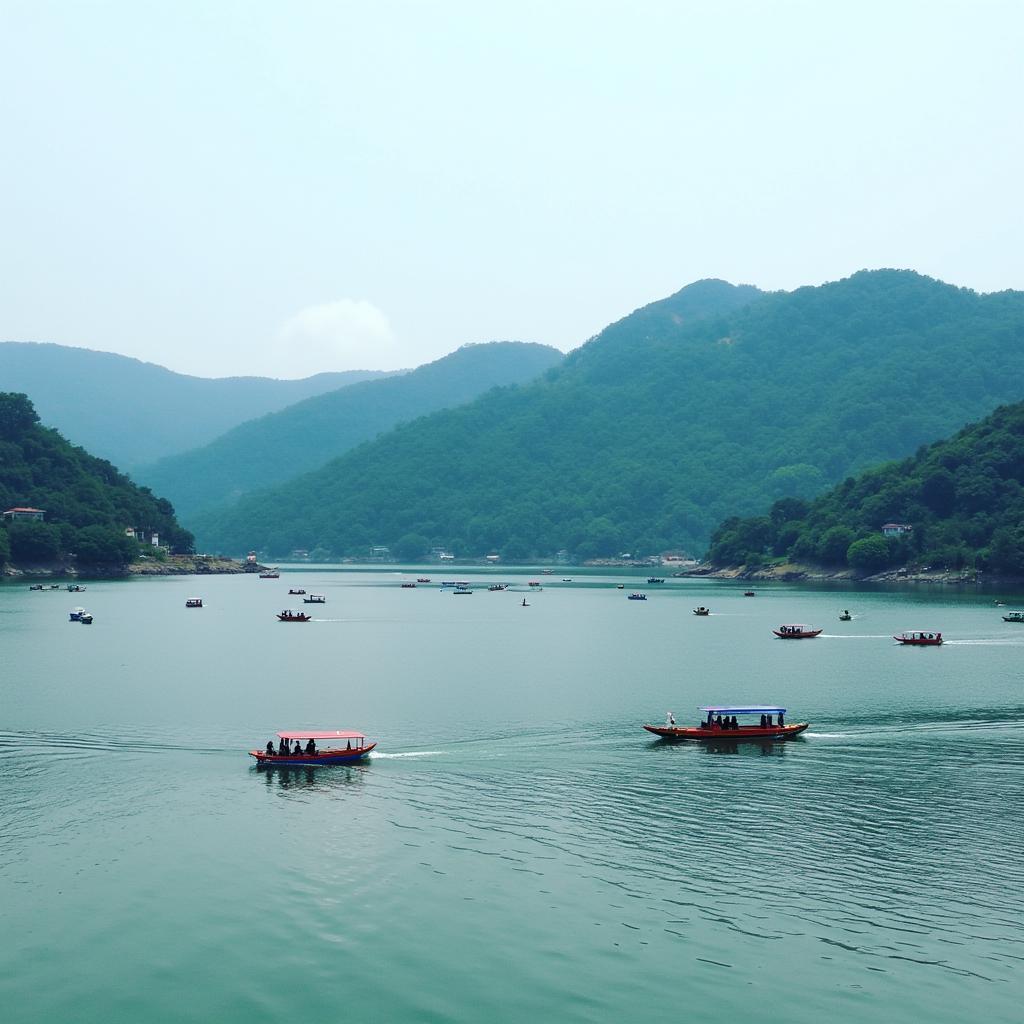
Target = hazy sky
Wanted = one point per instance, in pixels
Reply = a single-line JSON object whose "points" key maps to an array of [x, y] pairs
{"points": [[286, 187]]}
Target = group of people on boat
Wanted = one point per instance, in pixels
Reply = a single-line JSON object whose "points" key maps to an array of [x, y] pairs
{"points": [[284, 749], [730, 722]]}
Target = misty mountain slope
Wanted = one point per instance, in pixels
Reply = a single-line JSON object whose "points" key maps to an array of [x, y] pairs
{"points": [[132, 412], [304, 436], [663, 425]]}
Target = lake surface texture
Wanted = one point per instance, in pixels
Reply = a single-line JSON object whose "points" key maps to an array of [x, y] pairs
{"points": [[519, 849]]}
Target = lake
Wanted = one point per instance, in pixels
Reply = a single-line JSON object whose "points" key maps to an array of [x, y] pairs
{"points": [[518, 848]]}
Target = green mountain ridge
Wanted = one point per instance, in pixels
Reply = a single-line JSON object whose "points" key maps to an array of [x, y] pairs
{"points": [[710, 403], [88, 504], [962, 500], [306, 435], [133, 412]]}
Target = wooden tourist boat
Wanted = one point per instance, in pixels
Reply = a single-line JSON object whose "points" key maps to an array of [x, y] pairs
{"points": [[637, 597], [298, 591], [1013, 617], [408, 586], [291, 616], [495, 587], [919, 638], [460, 590], [702, 611], [655, 579], [710, 729], [315, 599], [194, 602], [797, 631], [422, 579], [355, 749]]}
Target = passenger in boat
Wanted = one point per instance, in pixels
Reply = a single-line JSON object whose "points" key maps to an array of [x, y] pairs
{"points": [[764, 720], [348, 745], [270, 748], [283, 749], [298, 749], [769, 722], [718, 722], [781, 722], [670, 719], [311, 747]]}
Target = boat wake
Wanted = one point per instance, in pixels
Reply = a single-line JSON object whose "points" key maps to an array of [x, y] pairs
{"points": [[375, 756]]}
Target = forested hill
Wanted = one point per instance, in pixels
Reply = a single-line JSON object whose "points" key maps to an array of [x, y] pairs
{"points": [[308, 434], [133, 412], [962, 499], [665, 424], [88, 504]]}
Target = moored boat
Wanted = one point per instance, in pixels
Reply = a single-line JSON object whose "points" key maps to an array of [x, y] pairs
{"points": [[717, 724], [283, 756], [702, 611], [798, 631], [919, 638], [194, 602], [292, 616], [1013, 617]]}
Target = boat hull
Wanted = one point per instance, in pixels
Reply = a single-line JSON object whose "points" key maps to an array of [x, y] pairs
{"points": [[751, 732], [918, 643], [265, 760], [808, 635]]}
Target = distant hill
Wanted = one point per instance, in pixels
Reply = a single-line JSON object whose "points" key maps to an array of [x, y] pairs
{"points": [[87, 504], [711, 403], [308, 434], [133, 412], [956, 503]]}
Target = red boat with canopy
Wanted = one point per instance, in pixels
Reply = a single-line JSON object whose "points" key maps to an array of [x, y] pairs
{"points": [[355, 748], [771, 724], [919, 638]]}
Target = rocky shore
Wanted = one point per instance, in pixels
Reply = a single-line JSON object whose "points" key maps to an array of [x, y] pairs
{"points": [[792, 572], [173, 565]]}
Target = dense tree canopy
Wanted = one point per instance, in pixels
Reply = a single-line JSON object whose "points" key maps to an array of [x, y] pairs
{"points": [[963, 499], [712, 402], [88, 503]]}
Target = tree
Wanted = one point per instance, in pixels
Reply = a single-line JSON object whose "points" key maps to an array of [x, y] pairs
{"points": [[101, 545], [34, 542], [17, 414], [833, 545], [5, 548], [869, 554], [411, 547]]}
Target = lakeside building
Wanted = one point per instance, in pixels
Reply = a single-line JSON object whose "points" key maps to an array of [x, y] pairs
{"points": [[23, 514]]}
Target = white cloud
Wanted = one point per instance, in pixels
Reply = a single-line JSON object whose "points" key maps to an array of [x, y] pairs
{"points": [[347, 334]]}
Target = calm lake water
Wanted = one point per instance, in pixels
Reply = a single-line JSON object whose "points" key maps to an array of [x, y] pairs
{"points": [[519, 849]]}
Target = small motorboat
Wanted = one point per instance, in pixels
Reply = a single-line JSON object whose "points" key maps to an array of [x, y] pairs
{"points": [[919, 638], [495, 587], [702, 611], [798, 631], [620, 586], [75, 588], [85, 618], [771, 725], [355, 749], [749, 593], [1013, 617], [459, 591], [637, 597], [36, 586], [845, 616], [297, 592], [315, 599], [194, 602], [567, 579], [654, 579], [272, 574], [534, 583], [75, 615], [292, 616], [408, 586], [422, 579]]}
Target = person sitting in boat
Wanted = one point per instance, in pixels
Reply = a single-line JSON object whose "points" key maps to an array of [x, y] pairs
{"points": [[781, 722], [311, 747], [298, 749], [283, 749], [769, 721], [270, 748]]}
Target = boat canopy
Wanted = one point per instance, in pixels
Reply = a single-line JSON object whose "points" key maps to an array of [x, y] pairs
{"points": [[306, 734], [744, 709]]}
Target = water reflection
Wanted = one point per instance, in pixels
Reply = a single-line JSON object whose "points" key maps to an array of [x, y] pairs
{"points": [[760, 748], [322, 777]]}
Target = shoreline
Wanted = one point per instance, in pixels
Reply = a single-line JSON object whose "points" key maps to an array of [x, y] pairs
{"points": [[175, 565], [793, 572]]}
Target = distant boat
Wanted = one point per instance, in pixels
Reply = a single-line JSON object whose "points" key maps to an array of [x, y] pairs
{"points": [[534, 583], [846, 616], [291, 616], [654, 579], [494, 587], [75, 615], [299, 591], [194, 602], [36, 586], [273, 758], [547, 572], [408, 586], [422, 579], [74, 588], [273, 574], [1013, 617], [620, 586], [771, 725], [459, 591], [749, 593], [567, 579], [85, 618], [315, 599], [702, 611], [919, 638], [796, 632], [637, 597]]}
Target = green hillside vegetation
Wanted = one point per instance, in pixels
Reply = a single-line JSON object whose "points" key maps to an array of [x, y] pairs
{"points": [[711, 403], [308, 434], [964, 499], [133, 412], [88, 503]]}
